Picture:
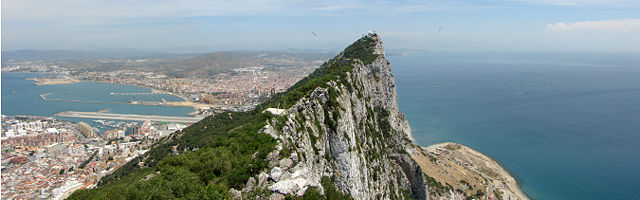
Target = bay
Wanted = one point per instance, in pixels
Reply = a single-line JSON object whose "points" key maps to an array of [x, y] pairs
{"points": [[21, 97]]}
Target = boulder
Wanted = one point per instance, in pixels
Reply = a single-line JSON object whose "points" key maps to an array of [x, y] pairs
{"points": [[276, 196], [276, 173], [285, 187], [235, 194], [286, 163], [262, 178]]}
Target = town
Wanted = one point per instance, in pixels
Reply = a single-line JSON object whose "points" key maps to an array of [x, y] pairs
{"points": [[239, 89], [46, 158]]}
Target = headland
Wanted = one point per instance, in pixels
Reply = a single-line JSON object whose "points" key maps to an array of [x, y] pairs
{"points": [[457, 167]]}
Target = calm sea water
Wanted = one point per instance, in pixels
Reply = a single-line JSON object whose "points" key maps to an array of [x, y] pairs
{"points": [[22, 97], [566, 125]]}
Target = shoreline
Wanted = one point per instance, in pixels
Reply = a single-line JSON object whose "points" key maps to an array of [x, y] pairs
{"points": [[71, 80], [466, 170], [185, 103]]}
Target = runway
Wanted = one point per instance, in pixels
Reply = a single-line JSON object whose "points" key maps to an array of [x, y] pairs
{"points": [[133, 117]]}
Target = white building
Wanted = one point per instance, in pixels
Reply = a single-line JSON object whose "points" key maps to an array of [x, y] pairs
{"points": [[53, 131], [64, 191]]}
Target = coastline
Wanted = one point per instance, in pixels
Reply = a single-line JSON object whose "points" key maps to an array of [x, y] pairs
{"points": [[467, 171], [71, 80], [185, 103]]}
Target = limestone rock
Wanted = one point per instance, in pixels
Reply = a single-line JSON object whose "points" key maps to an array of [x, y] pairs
{"points": [[276, 196], [276, 173], [286, 163], [235, 194], [350, 132], [251, 182], [285, 187], [262, 178]]}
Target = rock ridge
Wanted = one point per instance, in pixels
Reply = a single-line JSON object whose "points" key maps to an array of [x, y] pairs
{"points": [[350, 132]]}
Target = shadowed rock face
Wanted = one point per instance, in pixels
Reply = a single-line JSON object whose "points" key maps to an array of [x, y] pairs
{"points": [[350, 132]]}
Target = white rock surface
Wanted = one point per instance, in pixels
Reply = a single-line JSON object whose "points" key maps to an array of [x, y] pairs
{"points": [[360, 159]]}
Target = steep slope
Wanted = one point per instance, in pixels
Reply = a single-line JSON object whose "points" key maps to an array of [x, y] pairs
{"points": [[336, 134], [349, 131], [455, 167]]}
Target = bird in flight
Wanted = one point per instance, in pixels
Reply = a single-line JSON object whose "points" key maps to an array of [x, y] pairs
{"points": [[314, 34], [440, 30]]}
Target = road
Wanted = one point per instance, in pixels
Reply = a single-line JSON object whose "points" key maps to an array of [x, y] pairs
{"points": [[133, 117]]}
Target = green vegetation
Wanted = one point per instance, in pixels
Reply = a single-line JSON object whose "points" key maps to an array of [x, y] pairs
{"points": [[329, 71], [438, 187], [222, 151], [333, 70], [196, 136], [361, 49], [226, 161], [383, 121], [330, 192], [432, 158], [406, 195], [478, 195], [313, 140], [84, 164], [176, 65], [497, 194], [287, 149]]}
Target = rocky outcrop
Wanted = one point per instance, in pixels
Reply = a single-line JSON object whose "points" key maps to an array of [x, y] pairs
{"points": [[457, 172], [349, 132]]}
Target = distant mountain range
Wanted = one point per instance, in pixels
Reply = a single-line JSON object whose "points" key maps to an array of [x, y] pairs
{"points": [[46, 55], [169, 63]]}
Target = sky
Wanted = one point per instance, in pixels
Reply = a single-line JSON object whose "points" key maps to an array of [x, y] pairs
{"points": [[173, 25]]}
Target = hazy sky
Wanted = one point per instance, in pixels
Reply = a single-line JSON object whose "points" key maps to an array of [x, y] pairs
{"points": [[585, 25]]}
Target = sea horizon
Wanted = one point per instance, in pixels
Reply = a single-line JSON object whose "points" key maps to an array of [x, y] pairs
{"points": [[546, 120]]}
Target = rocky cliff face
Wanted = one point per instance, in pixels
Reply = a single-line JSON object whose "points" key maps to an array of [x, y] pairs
{"points": [[349, 132], [339, 136]]}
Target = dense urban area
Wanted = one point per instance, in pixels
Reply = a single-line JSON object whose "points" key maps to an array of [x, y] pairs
{"points": [[240, 88], [48, 158]]}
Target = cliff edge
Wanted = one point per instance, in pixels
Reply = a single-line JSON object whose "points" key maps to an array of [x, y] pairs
{"points": [[351, 132], [347, 130], [336, 134]]}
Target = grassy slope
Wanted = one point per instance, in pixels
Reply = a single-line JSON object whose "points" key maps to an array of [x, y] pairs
{"points": [[229, 147]]}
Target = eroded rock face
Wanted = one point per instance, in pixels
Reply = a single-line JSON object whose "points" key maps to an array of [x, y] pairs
{"points": [[360, 143]]}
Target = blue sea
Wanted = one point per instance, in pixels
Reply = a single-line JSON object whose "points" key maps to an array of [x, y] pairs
{"points": [[21, 97], [566, 125]]}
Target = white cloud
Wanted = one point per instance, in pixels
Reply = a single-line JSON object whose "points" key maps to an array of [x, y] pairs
{"points": [[614, 25], [101, 12], [583, 2]]}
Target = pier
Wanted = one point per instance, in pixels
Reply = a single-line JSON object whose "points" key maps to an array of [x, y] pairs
{"points": [[132, 117]]}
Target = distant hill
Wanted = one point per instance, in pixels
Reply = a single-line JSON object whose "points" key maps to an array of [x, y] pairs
{"points": [[338, 134], [179, 65], [45, 55], [341, 136], [56, 55], [223, 61]]}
